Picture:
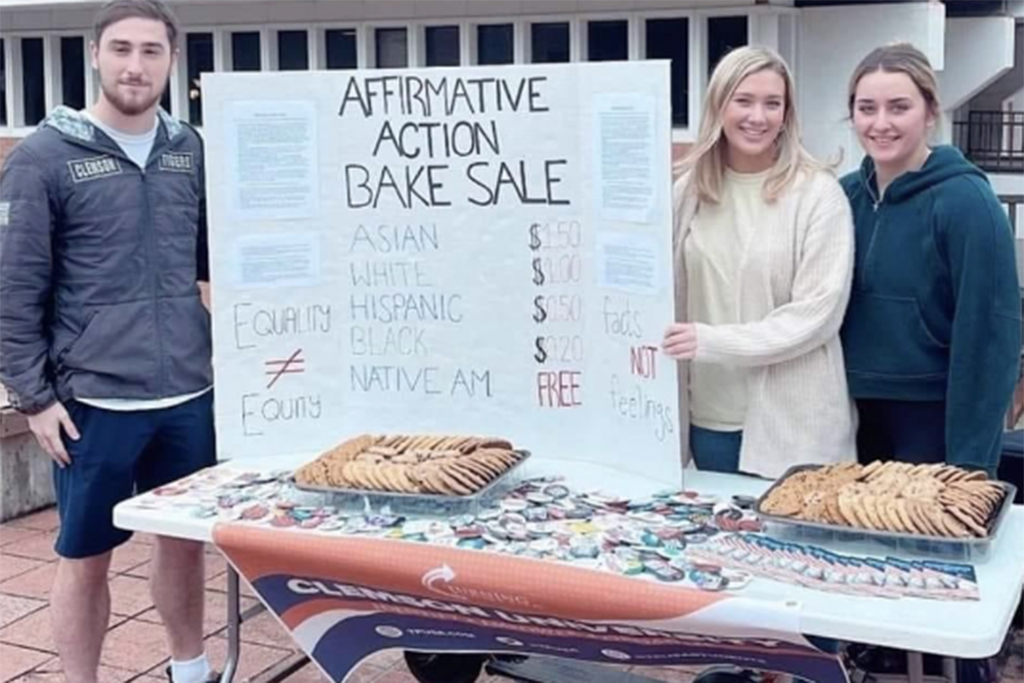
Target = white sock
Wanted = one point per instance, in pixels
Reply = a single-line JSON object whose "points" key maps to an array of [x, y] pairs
{"points": [[192, 671]]}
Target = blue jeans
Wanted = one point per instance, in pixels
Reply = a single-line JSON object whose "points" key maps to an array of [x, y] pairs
{"points": [[715, 451], [905, 431]]}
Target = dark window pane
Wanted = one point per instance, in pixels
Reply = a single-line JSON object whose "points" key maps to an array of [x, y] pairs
{"points": [[3, 84], [494, 44], [669, 39], [341, 48], [245, 51], [32, 80], [392, 48], [549, 43], [72, 71], [607, 41], [292, 51], [199, 53], [442, 45], [724, 34]]}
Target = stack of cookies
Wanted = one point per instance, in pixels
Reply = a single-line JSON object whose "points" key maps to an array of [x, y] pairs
{"points": [[928, 500], [419, 464]]}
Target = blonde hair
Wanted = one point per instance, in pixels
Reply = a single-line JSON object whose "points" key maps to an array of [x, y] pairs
{"points": [[899, 58], [706, 160]]}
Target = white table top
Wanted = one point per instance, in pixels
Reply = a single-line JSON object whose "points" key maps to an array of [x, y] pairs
{"points": [[969, 629]]}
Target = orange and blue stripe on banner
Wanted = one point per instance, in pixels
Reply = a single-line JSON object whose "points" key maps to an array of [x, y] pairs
{"points": [[344, 597]]}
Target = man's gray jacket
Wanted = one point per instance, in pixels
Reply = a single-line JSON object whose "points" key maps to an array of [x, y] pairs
{"points": [[99, 261]]}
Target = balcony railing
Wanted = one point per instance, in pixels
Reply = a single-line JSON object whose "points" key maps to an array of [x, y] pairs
{"points": [[994, 140]]}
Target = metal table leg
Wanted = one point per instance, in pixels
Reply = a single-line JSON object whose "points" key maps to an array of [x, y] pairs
{"points": [[234, 627], [235, 620]]}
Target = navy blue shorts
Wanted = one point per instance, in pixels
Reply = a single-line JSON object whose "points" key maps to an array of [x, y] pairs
{"points": [[120, 454]]}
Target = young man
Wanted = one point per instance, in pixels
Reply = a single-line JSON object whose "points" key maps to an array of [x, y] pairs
{"points": [[104, 339]]}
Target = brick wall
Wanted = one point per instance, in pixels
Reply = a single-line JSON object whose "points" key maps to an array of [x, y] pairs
{"points": [[679, 150], [5, 146]]}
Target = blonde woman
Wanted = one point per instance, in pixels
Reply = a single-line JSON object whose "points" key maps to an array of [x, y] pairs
{"points": [[764, 254]]}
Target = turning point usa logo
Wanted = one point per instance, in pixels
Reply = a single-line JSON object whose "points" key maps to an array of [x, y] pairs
{"points": [[440, 581]]}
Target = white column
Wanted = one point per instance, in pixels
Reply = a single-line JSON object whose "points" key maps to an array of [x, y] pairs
{"points": [[92, 81], [51, 72]]}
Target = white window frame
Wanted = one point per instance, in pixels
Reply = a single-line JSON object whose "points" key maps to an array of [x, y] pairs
{"points": [[518, 28], [313, 37], [632, 27], [574, 34], [321, 41], [421, 29], [765, 26], [8, 84], [412, 41], [57, 72], [16, 126], [227, 49], [695, 47], [179, 74]]}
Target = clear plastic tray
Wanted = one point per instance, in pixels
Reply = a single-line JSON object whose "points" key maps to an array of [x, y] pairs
{"points": [[422, 504], [803, 531]]}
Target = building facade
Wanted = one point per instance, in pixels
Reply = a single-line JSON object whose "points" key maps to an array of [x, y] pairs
{"points": [[44, 44]]}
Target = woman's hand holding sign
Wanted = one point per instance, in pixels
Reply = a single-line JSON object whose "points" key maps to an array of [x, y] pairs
{"points": [[680, 341]]}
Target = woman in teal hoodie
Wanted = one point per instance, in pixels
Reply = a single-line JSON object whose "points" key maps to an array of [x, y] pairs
{"points": [[932, 336]]}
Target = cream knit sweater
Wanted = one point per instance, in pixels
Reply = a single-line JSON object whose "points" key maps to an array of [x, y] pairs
{"points": [[794, 285]]}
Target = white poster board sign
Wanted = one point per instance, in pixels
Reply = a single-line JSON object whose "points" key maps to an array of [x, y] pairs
{"points": [[477, 250]]}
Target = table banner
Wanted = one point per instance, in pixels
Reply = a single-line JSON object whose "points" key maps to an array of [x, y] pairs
{"points": [[346, 598]]}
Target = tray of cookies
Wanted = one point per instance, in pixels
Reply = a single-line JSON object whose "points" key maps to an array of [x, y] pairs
{"points": [[420, 466], [894, 500]]}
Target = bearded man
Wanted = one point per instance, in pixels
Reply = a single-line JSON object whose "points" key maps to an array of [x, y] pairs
{"points": [[104, 336]]}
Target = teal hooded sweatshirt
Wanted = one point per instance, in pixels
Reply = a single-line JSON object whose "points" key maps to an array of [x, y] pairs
{"points": [[935, 312]]}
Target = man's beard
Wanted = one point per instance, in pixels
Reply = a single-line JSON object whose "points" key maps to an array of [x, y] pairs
{"points": [[129, 108]]}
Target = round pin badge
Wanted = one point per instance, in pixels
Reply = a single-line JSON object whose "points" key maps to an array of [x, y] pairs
{"points": [[514, 504], [649, 518], [470, 531], [282, 521], [536, 514], [737, 579], [584, 546], [556, 491], [708, 581], [539, 498], [489, 514], [544, 545], [540, 528], [254, 513], [462, 520], [169, 491]]}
